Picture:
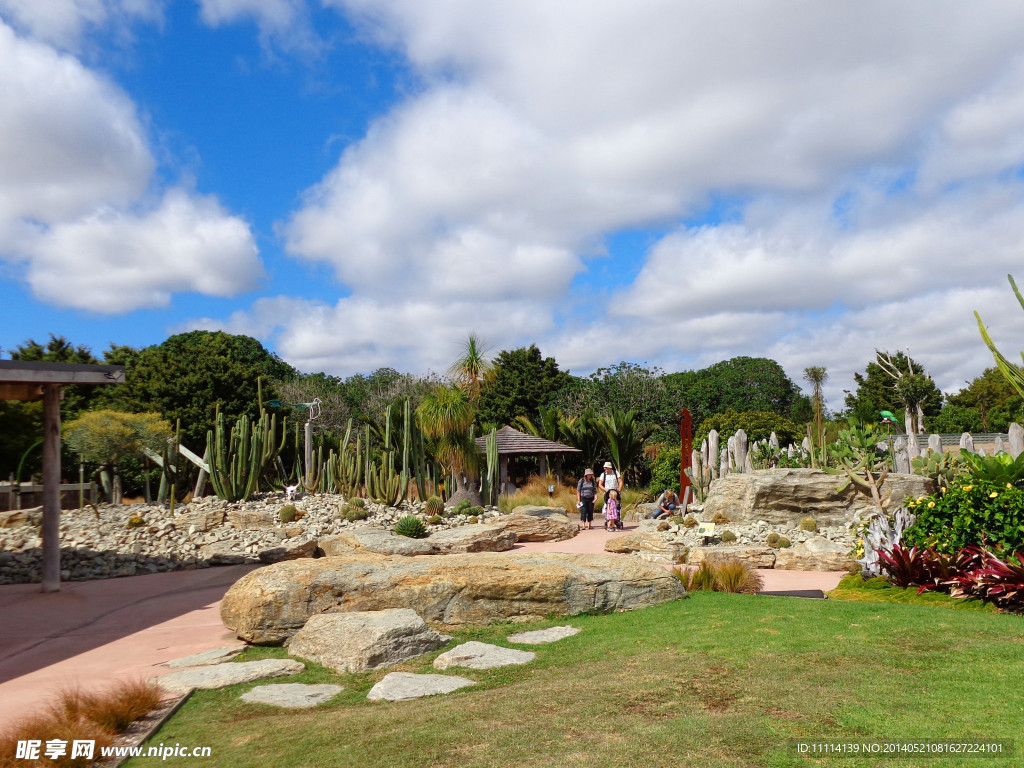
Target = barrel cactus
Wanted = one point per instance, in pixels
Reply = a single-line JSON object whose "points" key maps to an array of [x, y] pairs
{"points": [[357, 502], [434, 506], [287, 514], [411, 526]]}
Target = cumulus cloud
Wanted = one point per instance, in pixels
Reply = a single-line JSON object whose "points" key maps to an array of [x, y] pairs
{"points": [[77, 210], [64, 23], [284, 22]]}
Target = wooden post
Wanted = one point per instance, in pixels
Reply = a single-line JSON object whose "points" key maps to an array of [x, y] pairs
{"points": [[542, 467], [685, 449], [201, 480], [51, 488]]}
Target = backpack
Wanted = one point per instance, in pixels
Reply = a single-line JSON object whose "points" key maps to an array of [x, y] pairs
{"points": [[587, 489]]}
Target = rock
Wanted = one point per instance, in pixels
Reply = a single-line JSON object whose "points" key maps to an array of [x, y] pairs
{"points": [[646, 511], [399, 686], [539, 636], [244, 519], [539, 528], [466, 538], [292, 695], [18, 517], [651, 546], [203, 519], [473, 538], [232, 673], [216, 656], [221, 553], [292, 550], [817, 554], [754, 556], [475, 655], [270, 604], [781, 496], [355, 642], [535, 511]]}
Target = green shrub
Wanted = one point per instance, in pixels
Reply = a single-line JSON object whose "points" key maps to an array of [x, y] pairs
{"points": [[473, 512], [758, 425], [357, 502], [975, 513], [665, 470], [411, 526], [784, 543], [728, 537], [435, 519], [809, 524], [287, 514], [720, 519], [434, 506], [772, 539]]}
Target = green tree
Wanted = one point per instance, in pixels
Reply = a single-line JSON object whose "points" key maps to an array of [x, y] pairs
{"points": [[624, 439], [522, 382], [445, 416], [758, 425], [741, 384], [877, 390], [472, 368], [1013, 374], [190, 375], [989, 403], [106, 437]]}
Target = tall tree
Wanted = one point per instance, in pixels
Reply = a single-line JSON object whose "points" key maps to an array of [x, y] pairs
{"points": [[472, 368], [877, 389], [523, 381], [816, 376], [445, 416], [989, 403]]}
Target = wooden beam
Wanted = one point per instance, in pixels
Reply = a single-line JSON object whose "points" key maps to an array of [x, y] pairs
{"points": [[59, 373], [24, 391], [51, 489]]}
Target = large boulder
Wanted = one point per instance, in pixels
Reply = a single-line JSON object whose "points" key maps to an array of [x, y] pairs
{"points": [[271, 604], [355, 642], [818, 554], [537, 511], [754, 556], [290, 550], [19, 517], [789, 495], [537, 528], [465, 538], [649, 545], [222, 553]]}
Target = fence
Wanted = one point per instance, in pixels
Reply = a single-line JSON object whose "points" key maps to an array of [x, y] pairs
{"points": [[26, 495]]}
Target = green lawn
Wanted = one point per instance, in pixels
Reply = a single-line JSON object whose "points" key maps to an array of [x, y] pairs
{"points": [[713, 680]]}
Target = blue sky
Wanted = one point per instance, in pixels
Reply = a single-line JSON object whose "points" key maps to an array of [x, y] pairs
{"points": [[362, 183]]}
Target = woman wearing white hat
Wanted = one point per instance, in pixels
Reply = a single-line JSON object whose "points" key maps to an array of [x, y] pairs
{"points": [[608, 482]]}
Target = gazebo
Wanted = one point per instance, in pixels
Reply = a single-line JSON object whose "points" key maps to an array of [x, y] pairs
{"points": [[43, 381], [512, 442]]}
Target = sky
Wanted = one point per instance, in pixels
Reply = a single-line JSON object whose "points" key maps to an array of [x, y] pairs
{"points": [[364, 183]]}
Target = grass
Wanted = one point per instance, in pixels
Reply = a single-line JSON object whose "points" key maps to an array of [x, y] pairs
{"points": [[878, 590], [714, 680], [535, 492]]}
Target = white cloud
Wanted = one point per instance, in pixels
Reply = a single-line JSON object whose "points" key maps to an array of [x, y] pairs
{"points": [[75, 195], [64, 23], [114, 262], [284, 22]]}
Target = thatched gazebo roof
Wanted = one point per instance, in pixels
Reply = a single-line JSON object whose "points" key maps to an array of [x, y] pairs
{"points": [[512, 442]]}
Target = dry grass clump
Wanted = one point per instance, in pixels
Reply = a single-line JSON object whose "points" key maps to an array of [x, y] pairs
{"points": [[535, 492], [720, 576], [78, 715]]}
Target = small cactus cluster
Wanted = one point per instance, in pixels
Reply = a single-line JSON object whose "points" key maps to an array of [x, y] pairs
{"points": [[809, 524], [728, 537], [358, 502], [287, 514], [663, 526], [720, 519], [690, 522], [772, 540], [785, 543], [473, 519], [461, 507], [352, 513], [135, 522], [411, 526], [434, 507], [435, 519]]}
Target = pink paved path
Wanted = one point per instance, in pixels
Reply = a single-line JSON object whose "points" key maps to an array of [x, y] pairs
{"points": [[94, 632]]}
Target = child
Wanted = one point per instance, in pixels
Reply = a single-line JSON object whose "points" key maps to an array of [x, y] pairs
{"points": [[611, 511]]}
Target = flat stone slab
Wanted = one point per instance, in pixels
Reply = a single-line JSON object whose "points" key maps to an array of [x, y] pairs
{"points": [[355, 642], [536, 511], [465, 538], [538, 636], [537, 528], [292, 695], [399, 686], [223, 675], [475, 655], [206, 658]]}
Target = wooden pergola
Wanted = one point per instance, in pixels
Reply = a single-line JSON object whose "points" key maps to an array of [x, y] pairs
{"points": [[43, 381], [512, 442]]}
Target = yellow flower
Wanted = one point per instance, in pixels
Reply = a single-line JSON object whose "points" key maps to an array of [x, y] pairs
{"points": [[993, 494], [1009, 485], [968, 487], [931, 505]]}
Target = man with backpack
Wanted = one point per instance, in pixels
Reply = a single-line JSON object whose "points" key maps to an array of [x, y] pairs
{"points": [[586, 493], [608, 482]]}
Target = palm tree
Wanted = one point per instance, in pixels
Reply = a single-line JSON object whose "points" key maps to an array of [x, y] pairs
{"points": [[472, 368], [445, 416], [816, 376], [624, 439], [549, 427]]}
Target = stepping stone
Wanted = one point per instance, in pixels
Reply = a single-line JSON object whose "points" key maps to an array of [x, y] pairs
{"points": [[538, 636], [355, 642], [474, 655], [232, 673], [216, 656], [399, 686], [292, 695]]}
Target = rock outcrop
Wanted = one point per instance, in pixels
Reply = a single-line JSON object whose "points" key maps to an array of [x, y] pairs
{"points": [[539, 528], [815, 555], [780, 496], [271, 604], [467, 538], [651, 546]]}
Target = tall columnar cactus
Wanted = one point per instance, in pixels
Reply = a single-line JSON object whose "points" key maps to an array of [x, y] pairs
{"points": [[238, 457], [347, 468], [489, 480]]}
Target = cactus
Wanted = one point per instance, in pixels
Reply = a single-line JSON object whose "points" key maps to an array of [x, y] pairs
{"points": [[357, 502], [784, 543], [238, 457], [434, 506], [347, 469], [772, 539], [489, 480], [411, 526], [728, 537], [435, 519], [940, 467], [287, 514], [809, 524]]}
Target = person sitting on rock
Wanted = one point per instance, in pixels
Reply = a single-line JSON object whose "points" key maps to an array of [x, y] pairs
{"points": [[667, 503]]}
